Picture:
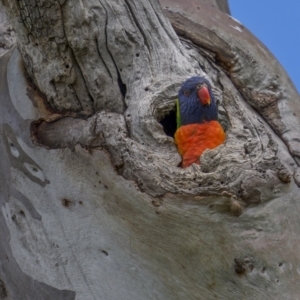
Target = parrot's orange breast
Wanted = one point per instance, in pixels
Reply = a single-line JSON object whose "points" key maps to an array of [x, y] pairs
{"points": [[193, 139]]}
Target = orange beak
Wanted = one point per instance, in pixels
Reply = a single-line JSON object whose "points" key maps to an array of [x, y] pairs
{"points": [[203, 95]]}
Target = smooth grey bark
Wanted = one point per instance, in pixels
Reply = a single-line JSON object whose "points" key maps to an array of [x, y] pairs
{"points": [[93, 203]]}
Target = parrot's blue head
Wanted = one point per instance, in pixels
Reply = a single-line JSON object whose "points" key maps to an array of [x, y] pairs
{"points": [[196, 102]]}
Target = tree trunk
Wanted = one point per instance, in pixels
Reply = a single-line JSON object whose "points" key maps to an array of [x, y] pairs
{"points": [[93, 203]]}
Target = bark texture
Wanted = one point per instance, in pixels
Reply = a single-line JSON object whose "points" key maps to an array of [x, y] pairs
{"points": [[93, 203]]}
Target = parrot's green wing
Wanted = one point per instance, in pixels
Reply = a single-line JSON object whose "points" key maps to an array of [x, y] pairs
{"points": [[178, 119]]}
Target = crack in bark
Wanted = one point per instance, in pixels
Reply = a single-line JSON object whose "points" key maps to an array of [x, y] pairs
{"points": [[171, 38], [145, 40], [74, 57], [121, 85]]}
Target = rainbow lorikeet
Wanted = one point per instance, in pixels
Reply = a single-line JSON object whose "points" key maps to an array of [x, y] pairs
{"points": [[198, 128]]}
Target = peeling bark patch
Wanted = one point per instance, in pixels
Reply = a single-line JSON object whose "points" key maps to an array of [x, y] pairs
{"points": [[3, 291]]}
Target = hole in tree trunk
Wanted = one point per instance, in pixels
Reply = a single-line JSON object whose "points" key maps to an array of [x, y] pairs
{"points": [[169, 122]]}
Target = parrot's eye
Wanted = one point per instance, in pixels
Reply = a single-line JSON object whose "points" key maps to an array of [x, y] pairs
{"points": [[186, 93]]}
